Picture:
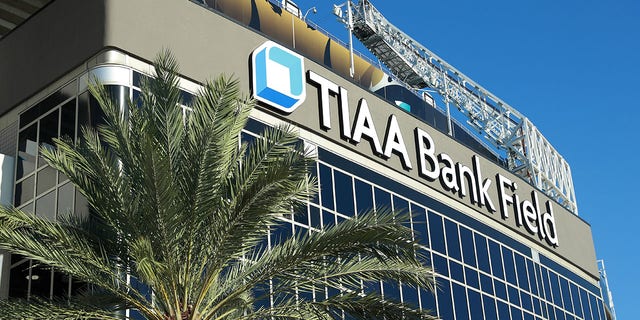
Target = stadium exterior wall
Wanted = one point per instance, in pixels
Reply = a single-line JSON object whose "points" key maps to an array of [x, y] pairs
{"points": [[48, 51]]}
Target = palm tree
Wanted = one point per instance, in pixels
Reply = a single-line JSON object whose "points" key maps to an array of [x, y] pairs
{"points": [[182, 206]]}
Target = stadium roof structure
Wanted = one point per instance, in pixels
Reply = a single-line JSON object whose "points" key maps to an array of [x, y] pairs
{"points": [[15, 12]]}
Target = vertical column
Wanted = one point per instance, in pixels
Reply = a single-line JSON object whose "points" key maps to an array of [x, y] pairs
{"points": [[6, 195]]}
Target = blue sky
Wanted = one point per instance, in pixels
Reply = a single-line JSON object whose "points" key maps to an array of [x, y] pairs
{"points": [[572, 68]]}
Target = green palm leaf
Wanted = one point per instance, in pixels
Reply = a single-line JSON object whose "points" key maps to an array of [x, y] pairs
{"points": [[183, 206]]}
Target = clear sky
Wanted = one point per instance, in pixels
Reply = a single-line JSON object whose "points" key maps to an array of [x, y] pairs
{"points": [[572, 68]]}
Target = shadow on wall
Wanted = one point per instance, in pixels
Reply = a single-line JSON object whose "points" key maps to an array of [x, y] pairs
{"points": [[46, 47]]}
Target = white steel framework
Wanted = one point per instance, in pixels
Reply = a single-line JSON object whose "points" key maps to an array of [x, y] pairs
{"points": [[529, 153]]}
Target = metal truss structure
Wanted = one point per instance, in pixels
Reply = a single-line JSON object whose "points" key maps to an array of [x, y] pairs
{"points": [[529, 153]]}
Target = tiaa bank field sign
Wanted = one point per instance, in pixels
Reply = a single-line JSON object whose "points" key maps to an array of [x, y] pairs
{"points": [[278, 80]]}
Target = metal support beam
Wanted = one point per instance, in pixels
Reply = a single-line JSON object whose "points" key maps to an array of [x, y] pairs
{"points": [[530, 155]]}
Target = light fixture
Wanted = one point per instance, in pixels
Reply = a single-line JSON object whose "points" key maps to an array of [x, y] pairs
{"points": [[312, 9]]}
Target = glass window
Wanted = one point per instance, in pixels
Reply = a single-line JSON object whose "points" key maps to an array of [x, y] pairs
{"points": [[445, 301], [489, 304], [509, 267], [136, 98], [428, 299], [328, 218], [555, 288], [419, 218], [301, 215], [516, 314], [27, 150], [503, 311], [27, 207], [81, 205], [594, 307], [525, 298], [24, 191], [551, 312], [440, 265], [601, 309], [46, 206], [48, 103], [391, 290], [68, 120], [468, 249], [584, 298], [475, 305], [436, 233], [486, 284], [460, 301], [65, 199], [501, 289], [383, 199], [566, 295], [453, 239], [457, 273], [575, 295], [521, 267], [46, 179], [344, 193], [364, 196], [514, 295], [544, 282], [410, 295], [536, 306], [482, 253], [19, 277], [496, 260], [559, 314], [401, 206], [326, 187], [314, 215], [532, 277], [48, 131], [471, 275], [528, 316], [280, 232]]}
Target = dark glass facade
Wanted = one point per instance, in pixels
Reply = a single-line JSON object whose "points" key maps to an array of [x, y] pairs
{"points": [[481, 272]]}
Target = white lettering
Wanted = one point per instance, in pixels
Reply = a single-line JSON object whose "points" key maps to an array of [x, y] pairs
{"points": [[426, 155], [394, 142], [364, 127], [325, 87]]}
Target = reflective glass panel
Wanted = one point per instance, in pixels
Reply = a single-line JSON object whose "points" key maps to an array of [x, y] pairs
{"points": [[482, 253], [27, 150], [453, 239], [475, 305], [344, 193], [496, 260], [468, 249], [460, 301], [509, 267], [436, 233], [46, 206], [489, 305], [364, 196], [445, 301]]}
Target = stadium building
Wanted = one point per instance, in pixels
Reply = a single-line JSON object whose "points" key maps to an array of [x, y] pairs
{"points": [[503, 236]]}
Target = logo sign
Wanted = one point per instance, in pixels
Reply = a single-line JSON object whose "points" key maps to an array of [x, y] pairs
{"points": [[278, 77]]}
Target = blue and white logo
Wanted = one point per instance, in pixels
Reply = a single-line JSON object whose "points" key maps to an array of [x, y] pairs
{"points": [[278, 76]]}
